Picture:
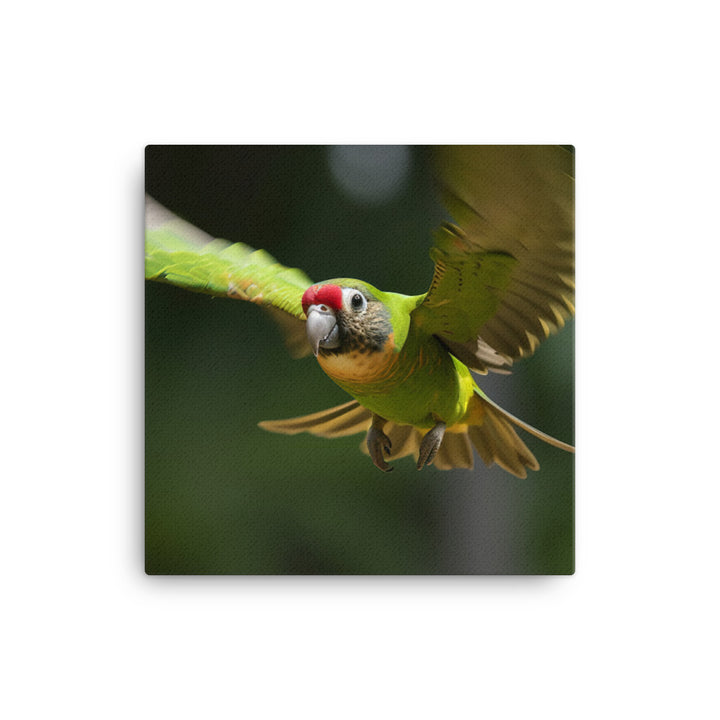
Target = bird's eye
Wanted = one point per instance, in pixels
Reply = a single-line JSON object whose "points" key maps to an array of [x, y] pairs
{"points": [[358, 302]]}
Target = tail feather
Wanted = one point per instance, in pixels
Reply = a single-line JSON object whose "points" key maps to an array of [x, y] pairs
{"points": [[496, 441], [404, 439], [492, 434], [455, 452], [501, 444], [339, 421], [482, 444], [529, 428]]}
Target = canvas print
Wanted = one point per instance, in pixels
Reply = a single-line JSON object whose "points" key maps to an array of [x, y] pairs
{"points": [[359, 360]]}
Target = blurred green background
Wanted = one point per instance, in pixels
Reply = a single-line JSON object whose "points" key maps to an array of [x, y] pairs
{"points": [[224, 496]]}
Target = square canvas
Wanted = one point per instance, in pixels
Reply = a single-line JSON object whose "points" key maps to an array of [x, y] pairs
{"points": [[475, 245]]}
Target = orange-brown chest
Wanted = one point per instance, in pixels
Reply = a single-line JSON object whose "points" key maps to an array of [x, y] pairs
{"points": [[361, 366]]}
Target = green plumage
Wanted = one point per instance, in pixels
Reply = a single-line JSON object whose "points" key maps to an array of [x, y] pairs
{"points": [[223, 269], [503, 281], [177, 252]]}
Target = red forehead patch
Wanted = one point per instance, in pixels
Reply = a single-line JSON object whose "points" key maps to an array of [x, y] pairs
{"points": [[330, 295]]}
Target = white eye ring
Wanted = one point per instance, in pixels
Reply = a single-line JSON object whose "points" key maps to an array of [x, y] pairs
{"points": [[354, 300]]}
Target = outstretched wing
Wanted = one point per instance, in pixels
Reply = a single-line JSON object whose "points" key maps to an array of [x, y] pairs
{"points": [[504, 272], [177, 252]]}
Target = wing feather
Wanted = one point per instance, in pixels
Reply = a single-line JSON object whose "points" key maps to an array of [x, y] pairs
{"points": [[504, 273], [177, 252]]}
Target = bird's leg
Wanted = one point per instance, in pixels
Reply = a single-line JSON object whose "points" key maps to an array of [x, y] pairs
{"points": [[377, 442], [430, 445]]}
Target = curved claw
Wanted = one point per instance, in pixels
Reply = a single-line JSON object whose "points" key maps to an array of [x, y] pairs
{"points": [[377, 443], [430, 445]]}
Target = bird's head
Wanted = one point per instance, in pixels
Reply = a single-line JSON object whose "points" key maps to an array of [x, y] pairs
{"points": [[344, 315]]}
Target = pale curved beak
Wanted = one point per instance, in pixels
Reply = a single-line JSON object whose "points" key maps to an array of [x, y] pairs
{"points": [[322, 329]]}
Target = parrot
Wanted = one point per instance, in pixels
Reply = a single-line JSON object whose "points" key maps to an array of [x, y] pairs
{"points": [[503, 281]]}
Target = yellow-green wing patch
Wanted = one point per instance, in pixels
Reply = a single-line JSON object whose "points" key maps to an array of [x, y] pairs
{"points": [[504, 273], [177, 252]]}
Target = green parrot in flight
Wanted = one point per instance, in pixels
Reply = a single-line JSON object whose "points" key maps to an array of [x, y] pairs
{"points": [[503, 281]]}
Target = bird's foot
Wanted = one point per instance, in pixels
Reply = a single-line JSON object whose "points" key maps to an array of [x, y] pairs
{"points": [[378, 442], [430, 445]]}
